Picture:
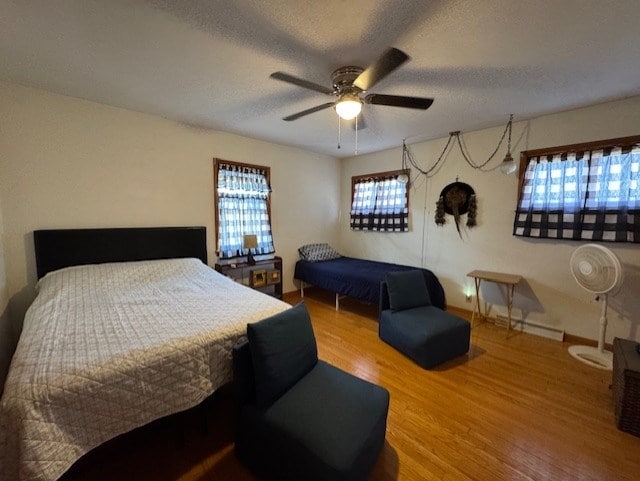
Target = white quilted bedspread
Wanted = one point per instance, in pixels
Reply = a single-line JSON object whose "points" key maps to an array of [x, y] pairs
{"points": [[107, 348]]}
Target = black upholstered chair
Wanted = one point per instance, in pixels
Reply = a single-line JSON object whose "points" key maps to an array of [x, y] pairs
{"points": [[299, 418], [408, 321]]}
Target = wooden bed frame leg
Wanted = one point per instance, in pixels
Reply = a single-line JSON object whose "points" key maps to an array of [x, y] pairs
{"points": [[302, 289]]}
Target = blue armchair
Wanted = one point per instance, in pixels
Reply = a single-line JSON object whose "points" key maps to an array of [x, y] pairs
{"points": [[299, 418], [409, 323]]}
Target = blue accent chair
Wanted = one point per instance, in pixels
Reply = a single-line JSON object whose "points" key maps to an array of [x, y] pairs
{"points": [[299, 418], [408, 322]]}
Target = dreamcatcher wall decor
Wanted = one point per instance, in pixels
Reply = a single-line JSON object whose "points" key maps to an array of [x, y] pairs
{"points": [[457, 199]]}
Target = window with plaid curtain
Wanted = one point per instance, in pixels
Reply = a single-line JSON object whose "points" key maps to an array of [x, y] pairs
{"points": [[380, 203], [582, 195], [243, 208]]}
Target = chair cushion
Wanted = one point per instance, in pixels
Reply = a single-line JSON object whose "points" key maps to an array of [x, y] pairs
{"points": [[407, 289], [329, 426], [283, 350], [428, 335]]}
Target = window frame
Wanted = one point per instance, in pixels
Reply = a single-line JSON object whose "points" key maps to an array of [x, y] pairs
{"points": [[391, 174], [379, 176], [527, 155], [216, 169], [595, 222]]}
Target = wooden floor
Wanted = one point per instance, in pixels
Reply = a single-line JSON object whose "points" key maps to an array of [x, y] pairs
{"points": [[513, 409]]}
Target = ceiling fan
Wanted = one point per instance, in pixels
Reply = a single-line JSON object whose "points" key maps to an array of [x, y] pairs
{"points": [[350, 82]]}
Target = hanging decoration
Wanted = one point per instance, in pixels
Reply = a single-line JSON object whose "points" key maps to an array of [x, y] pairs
{"points": [[440, 220], [471, 213], [457, 199], [507, 166]]}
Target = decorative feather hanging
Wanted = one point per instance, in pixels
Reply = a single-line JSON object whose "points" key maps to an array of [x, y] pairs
{"points": [[471, 213], [457, 199], [440, 220]]}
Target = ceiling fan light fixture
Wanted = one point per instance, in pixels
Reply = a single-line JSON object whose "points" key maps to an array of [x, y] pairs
{"points": [[348, 107]]}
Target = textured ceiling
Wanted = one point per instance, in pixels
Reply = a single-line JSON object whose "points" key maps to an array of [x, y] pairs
{"points": [[206, 63]]}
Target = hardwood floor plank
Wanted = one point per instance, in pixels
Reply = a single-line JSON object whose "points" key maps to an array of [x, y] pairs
{"points": [[516, 408]]}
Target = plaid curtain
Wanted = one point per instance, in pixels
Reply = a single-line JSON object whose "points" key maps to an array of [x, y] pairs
{"points": [[595, 196], [380, 205], [243, 194]]}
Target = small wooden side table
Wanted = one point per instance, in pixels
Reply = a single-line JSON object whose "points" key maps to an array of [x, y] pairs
{"points": [[508, 280], [238, 271]]}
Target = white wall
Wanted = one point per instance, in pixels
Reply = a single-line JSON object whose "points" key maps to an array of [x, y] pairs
{"points": [[549, 295], [4, 299], [70, 163], [6, 335]]}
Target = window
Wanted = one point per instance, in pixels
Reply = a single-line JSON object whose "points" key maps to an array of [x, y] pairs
{"points": [[380, 202], [242, 195], [581, 192]]}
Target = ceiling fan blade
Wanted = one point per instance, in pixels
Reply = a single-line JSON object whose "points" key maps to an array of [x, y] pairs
{"points": [[301, 82], [387, 63], [399, 101], [308, 111]]}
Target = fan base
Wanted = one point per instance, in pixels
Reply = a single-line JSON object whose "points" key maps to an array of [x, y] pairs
{"points": [[593, 357]]}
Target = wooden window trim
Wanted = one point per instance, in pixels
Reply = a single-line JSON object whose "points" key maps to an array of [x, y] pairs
{"points": [[216, 165], [527, 155]]}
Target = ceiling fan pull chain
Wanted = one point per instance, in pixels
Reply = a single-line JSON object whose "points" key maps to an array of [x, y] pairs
{"points": [[338, 131], [356, 152]]}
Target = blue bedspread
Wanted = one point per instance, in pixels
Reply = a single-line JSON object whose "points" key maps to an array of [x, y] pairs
{"points": [[360, 278]]}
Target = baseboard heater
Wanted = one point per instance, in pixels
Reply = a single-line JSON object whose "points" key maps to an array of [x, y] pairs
{"points": [[530, 327]]}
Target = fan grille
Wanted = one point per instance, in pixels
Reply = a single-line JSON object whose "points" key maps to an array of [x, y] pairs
{"points": [[595, 268]]}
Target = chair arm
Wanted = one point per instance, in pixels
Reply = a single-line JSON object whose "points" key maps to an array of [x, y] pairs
{"points": [[243, 379], [436, 291], [384, 298]]}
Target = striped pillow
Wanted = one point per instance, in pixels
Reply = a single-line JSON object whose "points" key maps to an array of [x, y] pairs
{"points": [[318, 252]]}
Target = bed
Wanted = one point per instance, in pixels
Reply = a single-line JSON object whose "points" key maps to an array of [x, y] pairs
{"points": [[358, 278], [129, 325]]}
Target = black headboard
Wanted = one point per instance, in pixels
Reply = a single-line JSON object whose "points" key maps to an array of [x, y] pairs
{"points": [[60, 248]]}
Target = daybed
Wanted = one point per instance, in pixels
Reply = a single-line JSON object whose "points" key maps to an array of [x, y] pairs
{"points": [[358, 278], [112, 346]]}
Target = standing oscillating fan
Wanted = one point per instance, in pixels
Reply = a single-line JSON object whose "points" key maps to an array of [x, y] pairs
{"points": [[598, 270]]}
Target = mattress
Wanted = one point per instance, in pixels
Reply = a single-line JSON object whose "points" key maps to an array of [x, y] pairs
{"points": [[108, 348], [360, 278]]}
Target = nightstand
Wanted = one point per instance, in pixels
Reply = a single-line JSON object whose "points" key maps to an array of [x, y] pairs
{"points": [[264, 276]]}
